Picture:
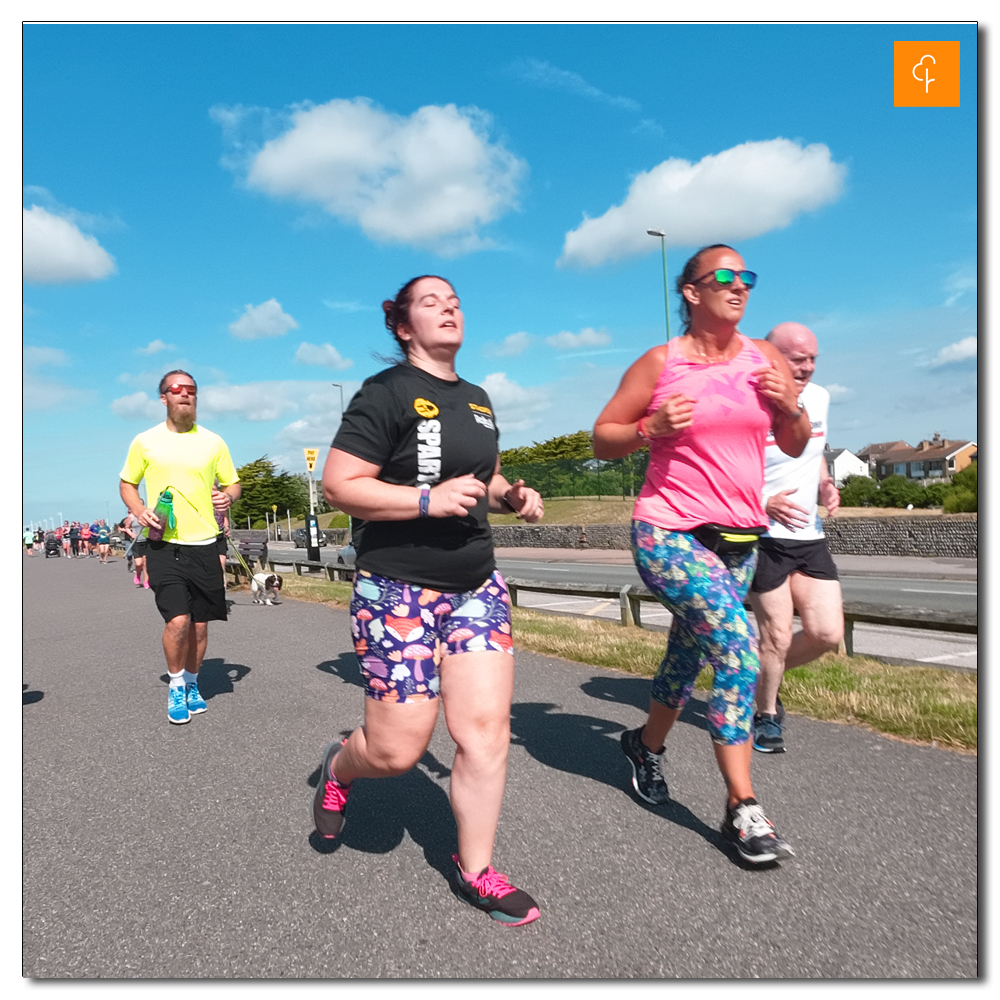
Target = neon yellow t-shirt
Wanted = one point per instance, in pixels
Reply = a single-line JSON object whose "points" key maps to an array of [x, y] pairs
{"points": [[188, 465]]}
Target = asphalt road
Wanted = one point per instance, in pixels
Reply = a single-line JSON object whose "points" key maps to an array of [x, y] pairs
{"points": [[153, 850]]}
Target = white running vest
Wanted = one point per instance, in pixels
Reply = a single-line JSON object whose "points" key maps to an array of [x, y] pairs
{"points": [[782, 472]]}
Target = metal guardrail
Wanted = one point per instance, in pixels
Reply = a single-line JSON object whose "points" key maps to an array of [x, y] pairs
{"points": [[631, 596]]}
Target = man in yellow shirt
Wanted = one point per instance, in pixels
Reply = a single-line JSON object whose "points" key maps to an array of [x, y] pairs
{"points": [[185, 574]]}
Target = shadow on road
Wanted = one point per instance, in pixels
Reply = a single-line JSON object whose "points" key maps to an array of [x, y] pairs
{"points": [[588, 746], [216, 677], [345, 666], [634, 691], [383, 809], [30, 697]]}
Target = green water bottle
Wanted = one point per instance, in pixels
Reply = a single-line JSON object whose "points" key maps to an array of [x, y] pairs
{"points": [[164, 511]]}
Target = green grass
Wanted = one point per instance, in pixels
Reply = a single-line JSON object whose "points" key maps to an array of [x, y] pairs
{"points": [[919, 704]]}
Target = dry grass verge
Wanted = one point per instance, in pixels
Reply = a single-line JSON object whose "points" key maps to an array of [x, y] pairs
{"points": [[921, 704]]}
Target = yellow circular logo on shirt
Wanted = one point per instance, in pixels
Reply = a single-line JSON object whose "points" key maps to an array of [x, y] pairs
{"points": [[425, 407]]}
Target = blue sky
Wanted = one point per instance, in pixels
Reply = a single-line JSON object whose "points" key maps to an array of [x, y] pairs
{"points": [[238, 200]]}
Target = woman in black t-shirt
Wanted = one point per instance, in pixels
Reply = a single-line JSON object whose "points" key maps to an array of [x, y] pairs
{"points": [[416, 465]]}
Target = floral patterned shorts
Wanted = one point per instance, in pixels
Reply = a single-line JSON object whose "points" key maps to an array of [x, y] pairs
{"points": [[704, 592], [403, 631]]}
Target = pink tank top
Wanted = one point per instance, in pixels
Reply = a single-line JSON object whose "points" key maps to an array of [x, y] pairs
{"points": [[713, 471]]}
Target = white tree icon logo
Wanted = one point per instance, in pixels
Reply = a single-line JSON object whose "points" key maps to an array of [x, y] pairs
{"points": [[926, 79]]}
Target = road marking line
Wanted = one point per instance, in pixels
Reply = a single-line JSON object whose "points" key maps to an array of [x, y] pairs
{"points": [[947, 656], [955, 593], [600, 607]]}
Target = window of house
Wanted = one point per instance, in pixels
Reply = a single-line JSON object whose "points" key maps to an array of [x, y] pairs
{"points": [[916, 469], [899, 468]]}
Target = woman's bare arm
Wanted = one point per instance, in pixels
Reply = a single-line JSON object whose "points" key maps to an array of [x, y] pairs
{"points": [[350, 484]]}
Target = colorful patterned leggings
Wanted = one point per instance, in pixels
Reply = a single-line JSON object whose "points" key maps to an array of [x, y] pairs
{"points": [[704, 592]]}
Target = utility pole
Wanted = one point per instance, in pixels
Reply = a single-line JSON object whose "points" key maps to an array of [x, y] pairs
{"points": [[312, 525]]}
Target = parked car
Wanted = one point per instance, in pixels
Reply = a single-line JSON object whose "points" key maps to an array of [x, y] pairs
{"points": [[301, 538], [345, 557]]}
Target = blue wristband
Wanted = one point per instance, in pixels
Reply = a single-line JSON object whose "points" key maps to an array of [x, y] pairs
{"points": [[425, 501]]}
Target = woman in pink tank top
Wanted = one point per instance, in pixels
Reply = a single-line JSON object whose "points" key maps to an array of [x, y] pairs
{"points": [[704, 404]]}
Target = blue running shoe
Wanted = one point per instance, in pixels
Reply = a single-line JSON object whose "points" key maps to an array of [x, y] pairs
{"points": [[177, 710], [195, 702], [767, 736]]}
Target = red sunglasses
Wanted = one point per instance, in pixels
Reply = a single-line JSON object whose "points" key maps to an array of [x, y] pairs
{"points": [[178, 387]]}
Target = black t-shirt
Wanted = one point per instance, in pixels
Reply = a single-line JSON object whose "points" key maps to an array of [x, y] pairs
{"points": [[422, 430]]}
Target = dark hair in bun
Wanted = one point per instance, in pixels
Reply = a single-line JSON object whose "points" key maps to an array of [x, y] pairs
{"points": [[397, 311]]}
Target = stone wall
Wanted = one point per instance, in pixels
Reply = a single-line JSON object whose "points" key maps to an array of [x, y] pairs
{"points": [[949, 535]]}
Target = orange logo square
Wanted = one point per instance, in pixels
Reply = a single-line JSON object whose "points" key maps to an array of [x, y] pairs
{"points": [[925, 74]]}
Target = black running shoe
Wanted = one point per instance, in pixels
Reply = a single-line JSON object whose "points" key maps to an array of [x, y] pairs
{"points": [[330, 800], [767, 737], [492, 892], [753, 834], [647, 769]]}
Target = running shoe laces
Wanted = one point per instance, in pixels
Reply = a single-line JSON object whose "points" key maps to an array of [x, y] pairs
{"points": [[750, 820], [492, 883], [334, 797]]}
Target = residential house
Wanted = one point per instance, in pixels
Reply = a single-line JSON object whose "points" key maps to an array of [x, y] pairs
{"points": [[931, 461], [871, 453], [841, 463]]}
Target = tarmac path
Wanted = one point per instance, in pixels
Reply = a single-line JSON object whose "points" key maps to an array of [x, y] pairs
{"points": [[155, 851]]}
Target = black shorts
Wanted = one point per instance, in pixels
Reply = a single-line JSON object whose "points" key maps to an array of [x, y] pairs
{"points": [[222, 544], [139, 547], [186, 580], [777, 558]]}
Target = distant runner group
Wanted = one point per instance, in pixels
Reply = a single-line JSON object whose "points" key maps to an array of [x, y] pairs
{"points": [[727, 513]]}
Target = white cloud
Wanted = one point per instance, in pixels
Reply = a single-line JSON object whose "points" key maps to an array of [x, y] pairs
{"points": [[348, 307], [41, 393], [323, 355], [963, 350], [56, 252], [321, 421], [959, 282], [36, 357], [154, 347], [510, 347], [838, 393], [266, 320], [430, 180], [138, 406], [587, 337], [516, 408], [737, 194], [253, 401], [546, 75]]}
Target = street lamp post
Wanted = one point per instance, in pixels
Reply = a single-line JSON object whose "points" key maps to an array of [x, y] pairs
{"points": [[663, 249], [341, 388]]}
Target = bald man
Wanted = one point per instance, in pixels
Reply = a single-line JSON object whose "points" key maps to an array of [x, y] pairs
{"points": [[795, 572]]}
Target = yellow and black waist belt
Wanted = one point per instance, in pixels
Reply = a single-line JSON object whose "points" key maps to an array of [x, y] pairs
{"points": [[722, 541]]}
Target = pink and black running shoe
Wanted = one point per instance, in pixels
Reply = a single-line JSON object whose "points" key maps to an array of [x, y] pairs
{"points": [[330, 800], [492, 892]]}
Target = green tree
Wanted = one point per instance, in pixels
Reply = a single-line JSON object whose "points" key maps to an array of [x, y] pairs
{"points": [[964, 492], [859, 491], [898, 491], [578, 445], [262, 487], [936, 494]]}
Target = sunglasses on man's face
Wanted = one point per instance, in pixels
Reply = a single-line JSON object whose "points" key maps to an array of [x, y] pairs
{"points": [[178, 387], [726, 276]]}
